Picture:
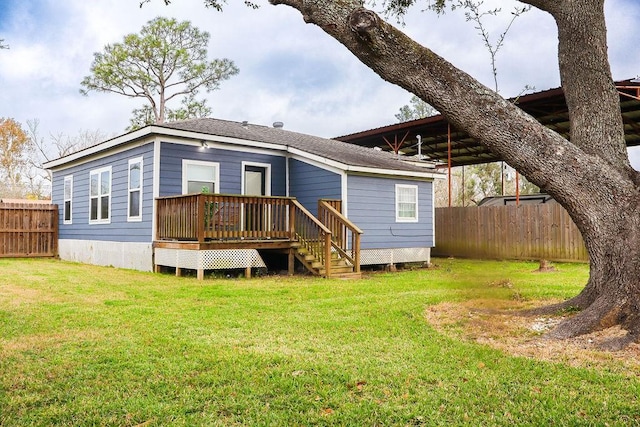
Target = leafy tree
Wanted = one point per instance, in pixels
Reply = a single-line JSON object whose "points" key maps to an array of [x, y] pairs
{"points": [[14, 148], [416, 109], [167, 60], [191, 108]]}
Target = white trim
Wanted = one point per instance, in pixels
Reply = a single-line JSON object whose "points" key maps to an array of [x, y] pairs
{"points": [[187, 162], [140, 189], [65, 199], [99, 196], [215, 141], [198, 137], [286, 175], [415, 191], [156, 185], [267, 178], [344, 193], [93, 153], [363, 169]]}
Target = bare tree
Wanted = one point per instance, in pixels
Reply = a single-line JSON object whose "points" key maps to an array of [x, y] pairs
{"points": [[59, 145]]}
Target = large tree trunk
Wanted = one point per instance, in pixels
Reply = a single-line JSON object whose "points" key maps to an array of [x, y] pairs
{"points": [[590, 175]]}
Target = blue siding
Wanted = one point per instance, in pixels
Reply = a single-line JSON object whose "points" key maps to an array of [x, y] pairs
{"points": [[309, 183], [119, 230], [372, 207], [171, 156]]}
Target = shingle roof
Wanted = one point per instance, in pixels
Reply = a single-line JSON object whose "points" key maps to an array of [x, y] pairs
{"points": [[349, 154]]}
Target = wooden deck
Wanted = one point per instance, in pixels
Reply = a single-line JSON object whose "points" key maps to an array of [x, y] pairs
{"points": [[207, 222]]}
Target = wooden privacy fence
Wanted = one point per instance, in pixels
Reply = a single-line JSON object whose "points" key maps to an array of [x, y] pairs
{"points": [[28, 230], [542, 231]]}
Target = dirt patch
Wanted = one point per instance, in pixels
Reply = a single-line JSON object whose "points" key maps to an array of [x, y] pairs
{"points": [[16, 295], [498, 325]]}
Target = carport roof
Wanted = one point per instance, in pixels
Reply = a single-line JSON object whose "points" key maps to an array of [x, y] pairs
{"points": [[548, 106]]}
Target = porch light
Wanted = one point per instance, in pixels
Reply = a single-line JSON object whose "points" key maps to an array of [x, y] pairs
{"points": [[204, 144]]}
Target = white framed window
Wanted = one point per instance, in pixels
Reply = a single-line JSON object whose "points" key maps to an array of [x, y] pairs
{"points": [[100, 196], [68, 199], [406, 203], [200, 177], [134, 205]]}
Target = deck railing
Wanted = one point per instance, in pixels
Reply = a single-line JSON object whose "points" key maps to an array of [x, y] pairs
{"points": [[227, 218], [203, 217], [345, 235], [312, 234]]}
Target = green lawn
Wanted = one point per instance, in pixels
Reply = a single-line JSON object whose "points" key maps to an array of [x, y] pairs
{"points": [[85, 345]]}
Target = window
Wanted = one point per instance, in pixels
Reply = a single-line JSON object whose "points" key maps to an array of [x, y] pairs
{"points": [[68, 196], [100, 195], [200, 177], [135, 190], [406, 203]]}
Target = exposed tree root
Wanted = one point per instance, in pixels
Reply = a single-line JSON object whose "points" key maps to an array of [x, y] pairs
{"points": [[596, 317], [579, 302], [602, 314], [593, 314], [619, 343], [524, 336]]}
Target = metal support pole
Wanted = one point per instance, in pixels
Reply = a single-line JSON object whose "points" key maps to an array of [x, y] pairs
{"points": [[449, 159], [517, 188]]}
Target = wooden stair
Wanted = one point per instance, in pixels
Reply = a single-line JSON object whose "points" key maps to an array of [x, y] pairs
{"points": [[339, 266]]}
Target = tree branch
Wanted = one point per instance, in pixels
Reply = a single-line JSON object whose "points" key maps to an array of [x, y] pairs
{"points": [[542, 155]]}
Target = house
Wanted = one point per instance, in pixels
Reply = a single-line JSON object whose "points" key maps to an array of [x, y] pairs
{"points": [[213, 194]]}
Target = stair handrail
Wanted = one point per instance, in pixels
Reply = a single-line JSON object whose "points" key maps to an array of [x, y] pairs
{"points": [[330, 215], [322, 251]]}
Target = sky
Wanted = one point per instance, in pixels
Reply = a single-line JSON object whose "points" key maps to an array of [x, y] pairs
{"points": [[289, 71]]}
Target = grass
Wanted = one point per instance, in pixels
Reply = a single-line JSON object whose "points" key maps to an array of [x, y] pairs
{"points": [[86, 345]]}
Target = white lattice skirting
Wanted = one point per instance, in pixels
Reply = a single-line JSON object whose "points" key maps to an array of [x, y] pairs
{"points": [[209, 259], [394, 256]]}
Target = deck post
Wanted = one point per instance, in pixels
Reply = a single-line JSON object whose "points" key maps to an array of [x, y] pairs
{"points": [[327, 254], [200, 274], [292, 221], [291, 262], [356, 253], [247, 272], [200, 218]]}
